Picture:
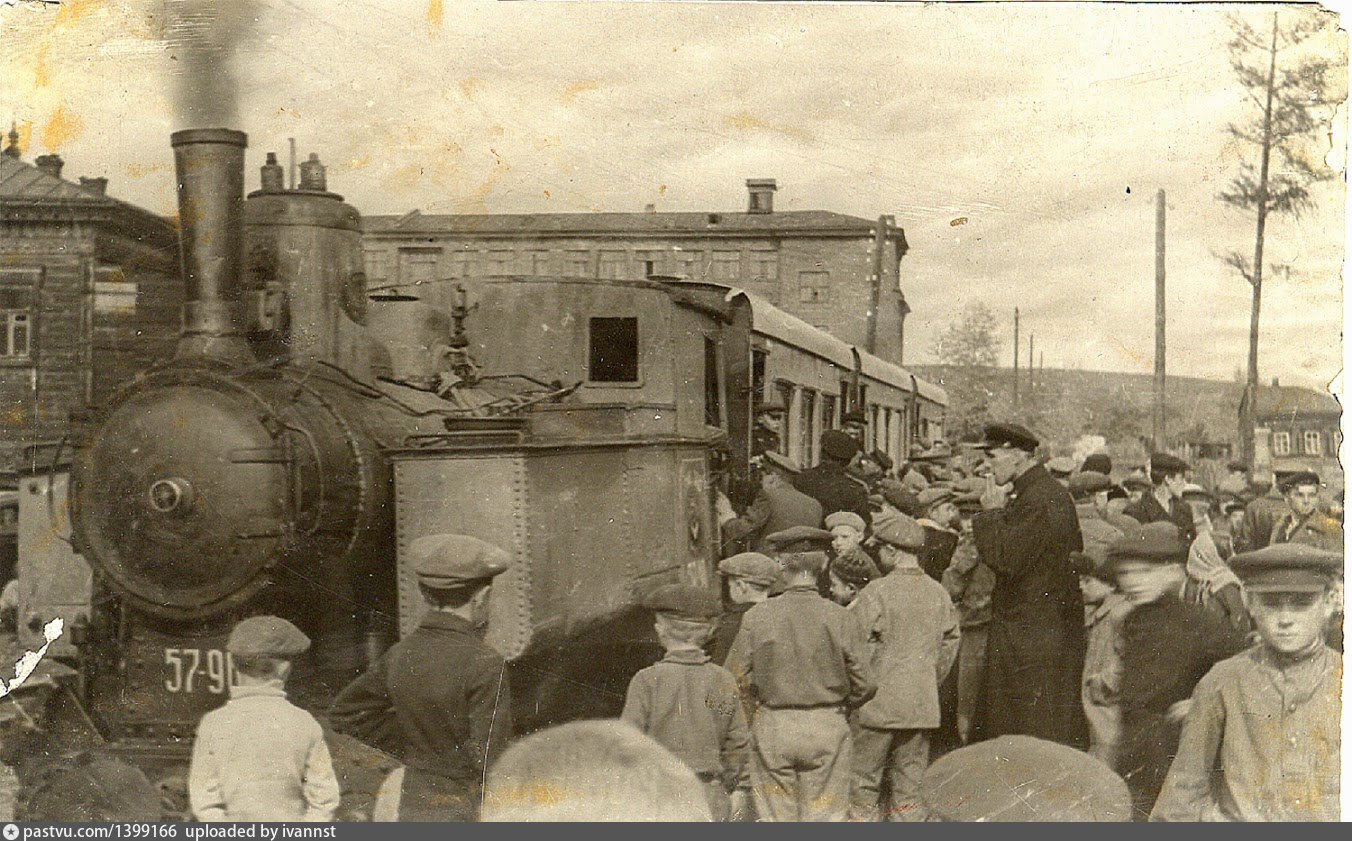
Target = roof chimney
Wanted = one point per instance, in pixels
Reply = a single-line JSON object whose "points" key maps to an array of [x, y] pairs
{"points": [[50, 164], [312, 175], [1275, 383], [649, 208], [760, 195], [97, 186], [13, 148]]}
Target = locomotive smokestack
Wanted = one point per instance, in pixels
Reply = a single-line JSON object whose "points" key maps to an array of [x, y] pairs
{"points": [[210, 171]]}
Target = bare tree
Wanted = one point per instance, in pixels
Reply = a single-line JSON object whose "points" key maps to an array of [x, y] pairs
{"points": [[970, 340], [1291, 88]]}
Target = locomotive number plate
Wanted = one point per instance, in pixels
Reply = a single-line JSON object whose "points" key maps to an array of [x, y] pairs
{"points": [[192, 670]]}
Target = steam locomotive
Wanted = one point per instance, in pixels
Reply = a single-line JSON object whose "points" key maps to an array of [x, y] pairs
{"points": [[308, 429]]}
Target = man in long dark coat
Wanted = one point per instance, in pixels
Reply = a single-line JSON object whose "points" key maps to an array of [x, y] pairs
{"points": [[1037, 644]]}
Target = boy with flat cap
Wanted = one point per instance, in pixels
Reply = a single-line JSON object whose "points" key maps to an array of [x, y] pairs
{"points": [[690, 705], [1303, 522], [1164, 501], [1167, 645], [1262, 739], [441, 688], [750, 577], [801, 660], [847, 537], [940, 519], [258, 758], [912, 631]]}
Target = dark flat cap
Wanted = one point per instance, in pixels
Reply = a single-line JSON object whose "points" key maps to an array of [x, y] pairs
{"points": [[899, 530], [1298, 478], [999, 435], [267, 636], [855, 568], [854, 416], [1020, 778], [684, 601], [1282, 567], [1155, 543], [799, 539], [1166, 463], [838, 445], [900, 497], [1089, 482], [1196, 493], [1136, 482], [783, 462], [752, 566], [1237, 466], [773, 402], [447, 561], [1098, 463]]}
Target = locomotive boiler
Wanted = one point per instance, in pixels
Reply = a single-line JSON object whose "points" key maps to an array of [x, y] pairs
{"points": [[284, 457]]}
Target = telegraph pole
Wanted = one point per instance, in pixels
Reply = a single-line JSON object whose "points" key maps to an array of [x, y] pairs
{"points": [[1030, 364], [1157, 427], [1016, 358]]}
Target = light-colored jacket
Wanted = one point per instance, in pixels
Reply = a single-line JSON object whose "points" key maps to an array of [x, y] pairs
{"points": [[913, 636], [259, 758]]}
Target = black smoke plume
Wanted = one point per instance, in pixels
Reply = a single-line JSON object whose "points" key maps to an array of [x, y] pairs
{"points": [[204, 38]]}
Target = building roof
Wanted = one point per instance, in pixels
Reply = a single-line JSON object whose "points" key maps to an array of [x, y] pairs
{"points": [[819, 222], [23, 183], [1294, 401]]}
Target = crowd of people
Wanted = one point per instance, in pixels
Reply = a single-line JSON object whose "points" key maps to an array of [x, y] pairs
{"points": [[875, 619]]}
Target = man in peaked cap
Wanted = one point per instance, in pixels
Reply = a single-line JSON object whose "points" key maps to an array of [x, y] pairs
{"points": [[768, 431], [1303, 521], [1261, 741], [441, 693], [829, 482], [1164, 500], [778, 505], [802, 661], [1167, 645], [912, 631], [690, 705], [750, 576], [855, 424], [1036, 649], [259, 758]]}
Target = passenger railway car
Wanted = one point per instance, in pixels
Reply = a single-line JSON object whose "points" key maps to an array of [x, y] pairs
{"points": [[306, 432]]}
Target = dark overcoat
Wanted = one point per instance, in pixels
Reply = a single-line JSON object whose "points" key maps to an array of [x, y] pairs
{"points": [[1037, 645]]}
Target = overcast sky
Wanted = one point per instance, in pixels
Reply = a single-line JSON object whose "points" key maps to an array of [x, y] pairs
{"points": [[1047, 127]]}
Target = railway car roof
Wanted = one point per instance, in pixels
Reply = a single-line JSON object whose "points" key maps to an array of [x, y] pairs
{"points": [[773, 322]]}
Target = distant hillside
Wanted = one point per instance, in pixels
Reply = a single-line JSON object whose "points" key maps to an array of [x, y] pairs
{"points": [[1063, 405]]}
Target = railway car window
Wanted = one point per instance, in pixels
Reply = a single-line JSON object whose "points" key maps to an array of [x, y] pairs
{"points": [[612, 350], [785, 395], [828, 412], [807, 440], [758, 375], [713, 405]]}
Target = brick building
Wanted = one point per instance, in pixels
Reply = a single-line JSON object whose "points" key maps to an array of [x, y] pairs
{"points": [[815, 264], [1297, 429], [89, 293]]}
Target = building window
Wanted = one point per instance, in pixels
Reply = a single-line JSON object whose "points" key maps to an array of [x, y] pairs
{"points": [[1314, 443], [813, 287], [764, 265], [1281, 443], [652, 262], [612, 350], [725, 265], [464, 264], [577, 263], [611, 265], [377, 265], [16, 323]]}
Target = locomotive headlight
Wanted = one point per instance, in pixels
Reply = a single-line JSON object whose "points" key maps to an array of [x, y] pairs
{"points": [[171, 496]]}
